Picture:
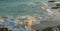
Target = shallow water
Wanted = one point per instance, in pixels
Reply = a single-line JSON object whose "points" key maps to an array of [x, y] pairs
{"points": [[20, 7]]}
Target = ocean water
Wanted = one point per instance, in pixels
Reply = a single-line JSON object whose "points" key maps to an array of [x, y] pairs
{"points": [[20, 7]]}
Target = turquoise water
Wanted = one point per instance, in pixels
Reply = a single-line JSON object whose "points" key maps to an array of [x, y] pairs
{"points": [[20, 7]]}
